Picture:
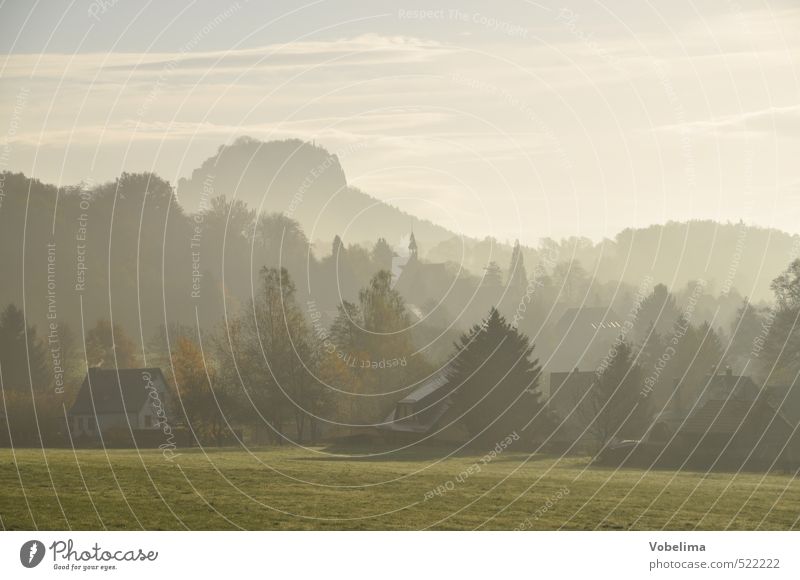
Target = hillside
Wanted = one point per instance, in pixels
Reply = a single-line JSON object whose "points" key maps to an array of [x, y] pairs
{"points": [[306, 183]]}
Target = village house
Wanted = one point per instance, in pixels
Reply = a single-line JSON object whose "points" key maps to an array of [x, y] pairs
{"points": [[130, 399], [427, 413], [738, 434], [685, 399], [726, 423], [786, 398]]}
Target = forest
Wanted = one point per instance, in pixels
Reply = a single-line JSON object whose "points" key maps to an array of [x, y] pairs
{"points": [[259, 328]]}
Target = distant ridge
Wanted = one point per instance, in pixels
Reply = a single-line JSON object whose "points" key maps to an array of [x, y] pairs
{"points": [[305, 182]]}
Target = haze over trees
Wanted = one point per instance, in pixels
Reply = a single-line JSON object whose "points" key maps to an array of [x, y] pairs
{"points": [[264, 311]]}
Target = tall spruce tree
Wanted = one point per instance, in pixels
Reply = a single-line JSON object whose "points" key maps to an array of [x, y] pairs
{"points": [[658, 310], [698, 354], [744, 332], [517, 275], [616, 407], [494, 382], [382, 255]]}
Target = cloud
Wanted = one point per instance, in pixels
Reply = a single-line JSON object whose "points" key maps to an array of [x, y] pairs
{"points": [[777, 121], [486, 108], [366, 49]]}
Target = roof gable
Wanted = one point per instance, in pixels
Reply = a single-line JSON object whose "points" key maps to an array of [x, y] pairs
{"points": [[726, 417], [787, 399], [435, 382], [728, 385], [116, 390]]}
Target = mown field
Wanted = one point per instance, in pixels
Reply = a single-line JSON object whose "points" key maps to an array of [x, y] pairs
{"points": [[290, 488]]}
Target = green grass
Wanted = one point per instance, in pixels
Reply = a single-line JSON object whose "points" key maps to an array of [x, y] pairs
{"points": [[290, 488]]}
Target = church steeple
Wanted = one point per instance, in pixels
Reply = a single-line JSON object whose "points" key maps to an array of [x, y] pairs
{"points": [[412, 247]]}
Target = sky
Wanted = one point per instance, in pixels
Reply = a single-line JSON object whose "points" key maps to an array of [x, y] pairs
{"points": [[516, 119]]}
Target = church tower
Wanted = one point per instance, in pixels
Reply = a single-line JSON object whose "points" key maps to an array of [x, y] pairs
{"points": [[412, 248]]}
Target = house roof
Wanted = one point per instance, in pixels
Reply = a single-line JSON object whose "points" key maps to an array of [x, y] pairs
{"points": [[424, 423], [787, 399], [727, 385], [423, 420], [105, 390], [428, 387], [725, 417]]}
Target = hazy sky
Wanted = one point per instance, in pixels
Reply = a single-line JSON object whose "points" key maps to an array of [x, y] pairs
{"points": [[513, 119]]}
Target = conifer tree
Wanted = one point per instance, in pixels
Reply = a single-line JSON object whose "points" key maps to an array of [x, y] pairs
{"points": [[615, 407], [493, 380], [517, 275]]}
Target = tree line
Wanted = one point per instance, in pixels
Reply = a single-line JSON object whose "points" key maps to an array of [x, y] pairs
{"points": [[257, 343]]}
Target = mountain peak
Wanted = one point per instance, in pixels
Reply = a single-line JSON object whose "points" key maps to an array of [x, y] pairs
{"points": [[303, 181]]}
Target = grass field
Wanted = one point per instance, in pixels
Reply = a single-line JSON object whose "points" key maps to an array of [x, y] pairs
{"points": [[290, 488]]}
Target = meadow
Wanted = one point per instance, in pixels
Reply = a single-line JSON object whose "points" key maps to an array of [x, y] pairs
{"points": [[291, 488]]}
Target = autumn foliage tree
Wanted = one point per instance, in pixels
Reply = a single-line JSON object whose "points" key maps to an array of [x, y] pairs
{"points": [[202, 399], [373, 359], [268, 352]]}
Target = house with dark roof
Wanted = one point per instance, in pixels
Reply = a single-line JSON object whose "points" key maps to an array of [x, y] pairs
{"points": [[133, 399], [724, 385], [786, 399], [726, 422], [739, 434], [425, 413], [685, 398]]}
